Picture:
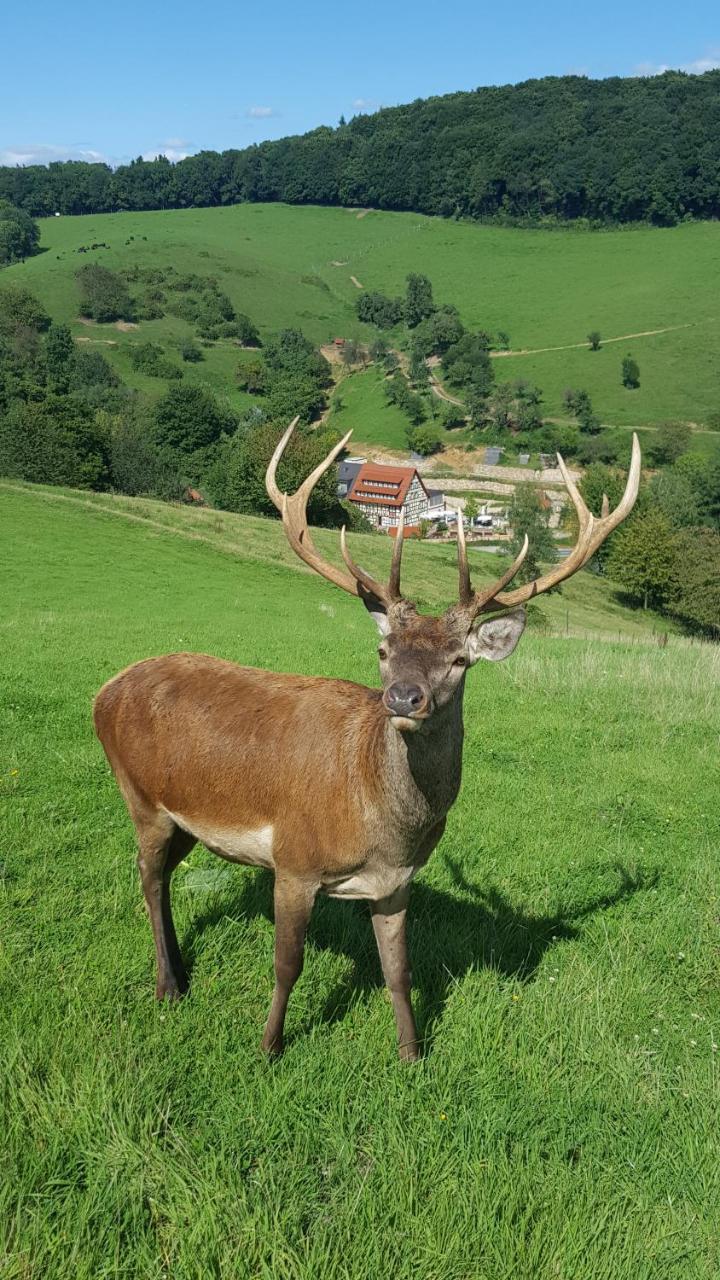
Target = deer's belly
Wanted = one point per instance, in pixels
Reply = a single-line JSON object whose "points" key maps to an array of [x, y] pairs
{"points": [[254, 848], [370, 882]]}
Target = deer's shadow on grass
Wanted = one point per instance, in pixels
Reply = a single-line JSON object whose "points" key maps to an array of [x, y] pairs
{"points": [[449, 933]]}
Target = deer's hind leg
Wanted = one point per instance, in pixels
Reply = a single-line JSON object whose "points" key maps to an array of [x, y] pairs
{"points": [[157, 859], [161, 846]]}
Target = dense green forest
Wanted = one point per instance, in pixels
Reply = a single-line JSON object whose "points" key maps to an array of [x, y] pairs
{"points": [[615, 150]]}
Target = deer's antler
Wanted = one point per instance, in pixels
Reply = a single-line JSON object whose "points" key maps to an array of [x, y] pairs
{"points": [[293, 508], [593, 532]]}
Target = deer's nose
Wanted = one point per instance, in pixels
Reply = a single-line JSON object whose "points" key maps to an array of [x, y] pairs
{"points": [[404, 699]]}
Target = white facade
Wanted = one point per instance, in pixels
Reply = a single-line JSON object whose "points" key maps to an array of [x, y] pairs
{"points": [[415, 506]]}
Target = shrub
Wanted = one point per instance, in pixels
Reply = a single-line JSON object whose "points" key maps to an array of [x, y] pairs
{"points": [[189, 350], [103, 294], [630, 373], [20, 309], [423, 440], [375, 308], [190, 418]]}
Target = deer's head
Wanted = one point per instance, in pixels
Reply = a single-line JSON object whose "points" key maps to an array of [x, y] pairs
{"points": [[423, 659]]}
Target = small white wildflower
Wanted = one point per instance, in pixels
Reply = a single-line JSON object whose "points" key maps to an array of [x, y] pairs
{"points": [[656, 1031], [551, 979], [693, 1043]]}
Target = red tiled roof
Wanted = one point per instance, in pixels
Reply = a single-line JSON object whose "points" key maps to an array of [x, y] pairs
{"points": [[385, 486]]}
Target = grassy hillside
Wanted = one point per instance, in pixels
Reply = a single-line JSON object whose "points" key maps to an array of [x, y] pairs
{"points": [[563, 939], [586, 605], [545, 288]]}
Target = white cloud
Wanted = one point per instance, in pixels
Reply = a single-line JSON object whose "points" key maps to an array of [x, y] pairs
{"points": [[260, 113], [709, 62], [171, 153], [44, 153], [364, 104]]}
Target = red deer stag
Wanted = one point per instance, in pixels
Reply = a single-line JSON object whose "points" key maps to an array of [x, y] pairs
{"points": [[338, 788]]}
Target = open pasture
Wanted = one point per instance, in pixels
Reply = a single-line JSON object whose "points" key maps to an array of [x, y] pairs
{"points": [[288, 265], [564, 940]]}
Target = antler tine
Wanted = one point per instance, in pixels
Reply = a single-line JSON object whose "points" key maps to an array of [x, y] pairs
{"points": [[394, 580], [466, 591], [593, 533], [294, 512], [476, 601], [391, 593], [293, 508], [270, 482]]}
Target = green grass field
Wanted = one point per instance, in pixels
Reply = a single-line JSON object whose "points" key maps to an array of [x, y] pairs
{"points": [[545, 288], [564, 943]]}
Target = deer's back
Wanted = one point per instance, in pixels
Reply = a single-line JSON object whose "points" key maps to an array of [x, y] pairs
{"points": [[236, 749]]}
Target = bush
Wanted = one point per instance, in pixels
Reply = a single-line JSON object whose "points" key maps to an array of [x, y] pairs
{"points": [[103, 294], [189, 350], [20, 309], [91, 369], [452, 415], [190, 418], [375, 308], [423, 440], [150, 358], [670, 442], [137, 466], [54, 441], [236, 482], [606, 447], [630, 373], [246, 331], [252, 377]]}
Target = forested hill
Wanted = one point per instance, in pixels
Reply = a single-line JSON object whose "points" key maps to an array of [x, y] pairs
{"points": [[617, 150]]}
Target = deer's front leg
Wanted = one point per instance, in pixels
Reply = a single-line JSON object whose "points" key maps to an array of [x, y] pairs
{"points": [[294, 900], [388, 916]]}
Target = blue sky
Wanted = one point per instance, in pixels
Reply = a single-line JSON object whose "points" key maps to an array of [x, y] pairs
{"points": [[83, 81]]}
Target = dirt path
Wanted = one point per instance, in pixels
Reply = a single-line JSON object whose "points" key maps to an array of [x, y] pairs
{"points": [[357, 283], [573, 346], [438, 390]]}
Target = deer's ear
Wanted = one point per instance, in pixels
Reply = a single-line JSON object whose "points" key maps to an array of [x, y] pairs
{"points": [[495, 639], [379, 616]]}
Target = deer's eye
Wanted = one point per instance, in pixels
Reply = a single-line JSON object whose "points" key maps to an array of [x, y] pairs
{"points": [[382, 654], [460, 661]]}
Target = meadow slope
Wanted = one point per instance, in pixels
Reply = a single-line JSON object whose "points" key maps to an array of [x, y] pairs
{"points": [[288, 265], [564, 944]]}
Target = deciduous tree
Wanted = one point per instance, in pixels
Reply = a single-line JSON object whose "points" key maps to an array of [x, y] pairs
{"points": [[642, 558], [630, 373]]}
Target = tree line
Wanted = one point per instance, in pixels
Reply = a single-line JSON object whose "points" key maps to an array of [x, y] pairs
{"points": [[561, 148]]}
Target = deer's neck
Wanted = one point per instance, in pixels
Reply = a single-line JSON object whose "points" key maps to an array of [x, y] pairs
{"points": [[425, 768]]}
